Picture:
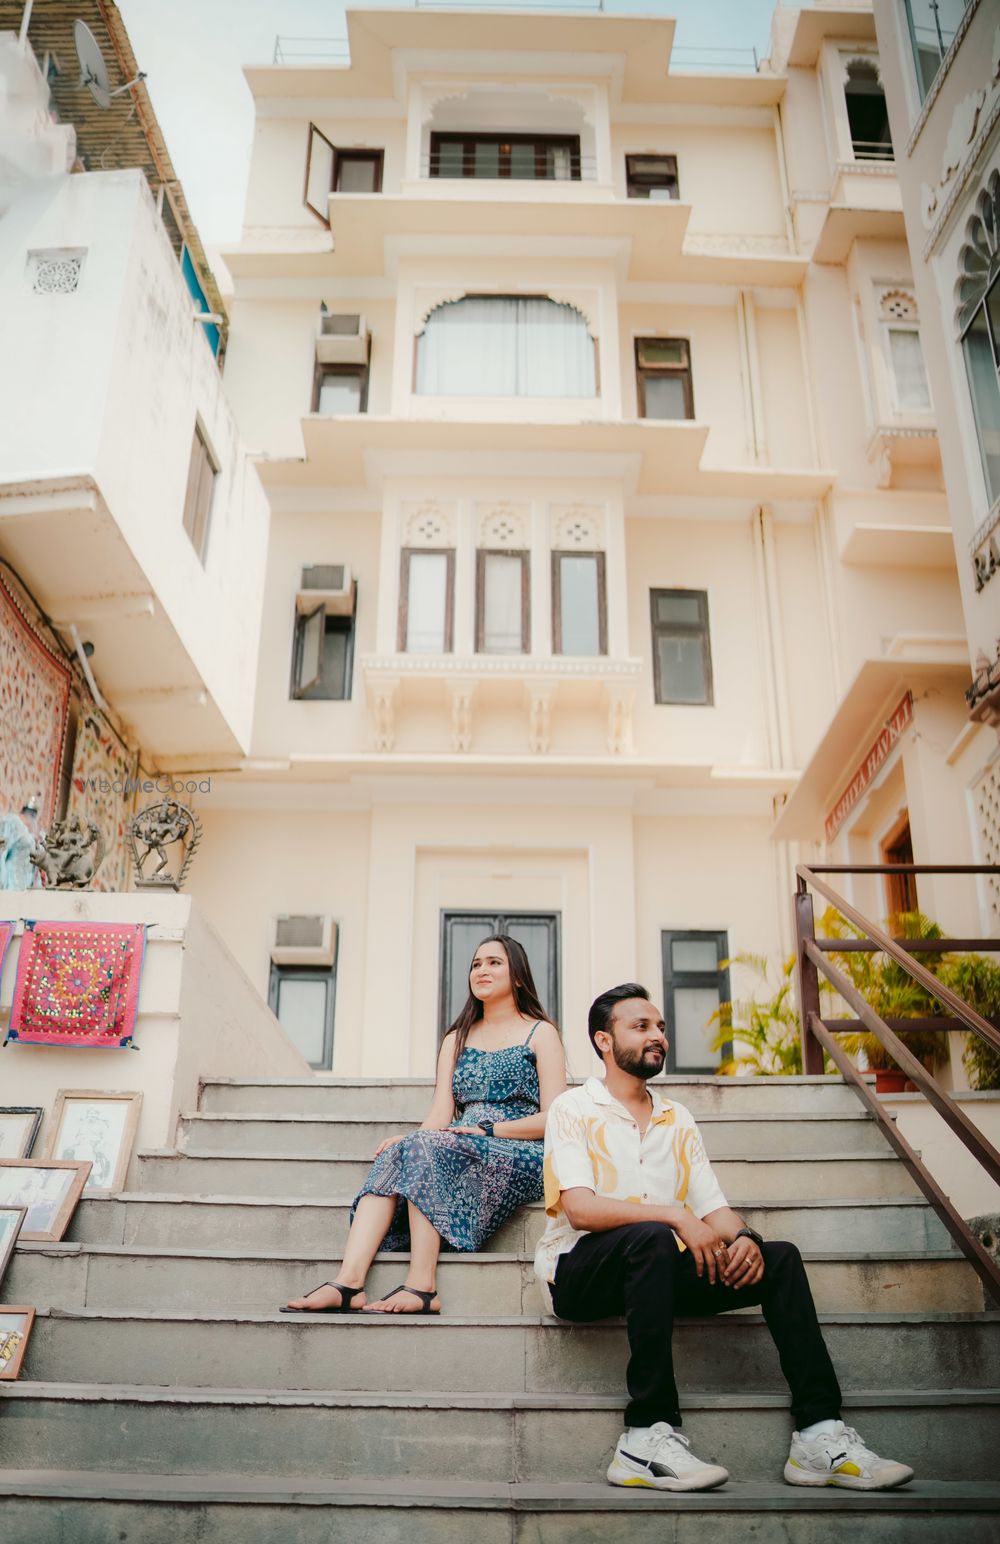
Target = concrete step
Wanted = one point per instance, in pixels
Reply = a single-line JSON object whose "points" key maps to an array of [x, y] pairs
{"points": [[315, 1136], [409, 1098], [817, 1176], [45, 1505], [524, 1354], [119, 1277], [507, 1438], [291, 1223]]}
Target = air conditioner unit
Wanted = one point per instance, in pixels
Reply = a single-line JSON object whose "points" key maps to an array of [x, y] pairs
{"points": [[304, 940], [330, 585], [342, 338]]}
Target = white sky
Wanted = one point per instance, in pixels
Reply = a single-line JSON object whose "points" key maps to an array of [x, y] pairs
{"points": [[193, 52]]}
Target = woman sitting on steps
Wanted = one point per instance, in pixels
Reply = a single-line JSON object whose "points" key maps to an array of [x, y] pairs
{"points": [[500, 1066]]}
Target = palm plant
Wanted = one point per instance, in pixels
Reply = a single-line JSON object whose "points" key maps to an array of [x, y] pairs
{"points": [[889, 989], [764, 1032]]}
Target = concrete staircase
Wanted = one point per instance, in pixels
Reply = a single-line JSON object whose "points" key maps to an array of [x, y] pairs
{"points": [[164, 1398]]}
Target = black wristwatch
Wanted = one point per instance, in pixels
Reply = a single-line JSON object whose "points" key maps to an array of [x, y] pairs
{"points": [[487, 1126], [749, 1233]]}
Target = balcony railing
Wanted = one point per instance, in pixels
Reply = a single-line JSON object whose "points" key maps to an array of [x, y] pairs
{"points": [[437, 165]]}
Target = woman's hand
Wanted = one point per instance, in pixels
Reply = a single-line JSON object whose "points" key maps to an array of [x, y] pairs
{"points": [[469, 1131], [389, 1142]]}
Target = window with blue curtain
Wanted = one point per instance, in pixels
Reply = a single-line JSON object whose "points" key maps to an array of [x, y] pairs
{"points": [[506, 346]]}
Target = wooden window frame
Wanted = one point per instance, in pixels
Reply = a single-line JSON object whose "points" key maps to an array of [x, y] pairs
{"points": [[338, 156], [900, 889], [482, 553], [558, 553], [542, 142], [633, 180], [683, 370], [494, 922], [672, 979], [406, 553], [281, 973], [198, 526], [322, 371], [701, 629], [337, 624]]}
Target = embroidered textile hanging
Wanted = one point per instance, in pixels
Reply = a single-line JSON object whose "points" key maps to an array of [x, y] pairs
{"points": [[77, 984], [102, 790], [34, 701]]}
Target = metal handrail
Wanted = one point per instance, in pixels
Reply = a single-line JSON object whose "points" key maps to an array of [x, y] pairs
{"points": [[812, 962]]}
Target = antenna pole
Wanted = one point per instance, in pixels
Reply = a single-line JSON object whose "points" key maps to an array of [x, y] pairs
{"points": [[129, 84], [25, 19]]}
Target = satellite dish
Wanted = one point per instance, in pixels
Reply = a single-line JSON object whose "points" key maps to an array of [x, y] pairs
{"points": [[93, 70]]}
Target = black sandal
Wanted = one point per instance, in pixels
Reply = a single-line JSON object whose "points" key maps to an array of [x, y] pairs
{"points": [[347, 1294], [426, 1298]]}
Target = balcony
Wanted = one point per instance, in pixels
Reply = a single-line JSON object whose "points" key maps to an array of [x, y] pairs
{"points": [[477, 683], [865, 205], [651, 456], [101, 340]]}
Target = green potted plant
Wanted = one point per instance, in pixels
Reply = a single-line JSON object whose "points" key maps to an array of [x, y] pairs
{"points": [[764, 1032], [976, 979]]}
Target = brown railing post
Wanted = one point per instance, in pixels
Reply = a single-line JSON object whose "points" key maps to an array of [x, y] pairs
{"points": [[807, 979]]}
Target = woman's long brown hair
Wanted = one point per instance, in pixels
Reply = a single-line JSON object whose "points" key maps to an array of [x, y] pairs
{"points": [[522, 985]]}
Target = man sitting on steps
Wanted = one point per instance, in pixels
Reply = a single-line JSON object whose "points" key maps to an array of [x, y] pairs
{"points": [[639, 1226]]}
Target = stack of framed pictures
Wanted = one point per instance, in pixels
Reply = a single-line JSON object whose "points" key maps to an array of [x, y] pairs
{"points": [[95, 1127], [15, 1323]]}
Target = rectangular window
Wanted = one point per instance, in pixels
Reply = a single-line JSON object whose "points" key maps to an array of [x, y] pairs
{"points": [[426, 601], [909, 377], [502, 603], [663, 378], [652, 176], [932, 25], [682, 655], [302, 998], [329, 170], [527, 157], [867, 114], [463, 931], [695, 985], [340, 389], [579, 604], [200, 491], [323, 657]]}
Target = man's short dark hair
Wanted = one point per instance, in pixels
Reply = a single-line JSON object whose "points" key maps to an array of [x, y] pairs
{"points": [[602, 1009]]}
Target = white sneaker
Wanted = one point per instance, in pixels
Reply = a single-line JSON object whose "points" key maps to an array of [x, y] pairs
{"points": [[840, 1457], [662, 1461]]}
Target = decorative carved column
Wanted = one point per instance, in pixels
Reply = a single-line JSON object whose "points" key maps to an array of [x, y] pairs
{"points": [[382, 702], [539, 696], [460, 695], [620, 702]]}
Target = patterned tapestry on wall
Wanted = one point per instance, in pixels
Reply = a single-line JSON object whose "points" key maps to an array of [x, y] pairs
{"points": [[102, 790], [77, 984], [34, 703]]}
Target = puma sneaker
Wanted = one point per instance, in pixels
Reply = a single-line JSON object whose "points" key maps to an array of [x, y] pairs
{"points": [[663, 1460], [839, 1457]]}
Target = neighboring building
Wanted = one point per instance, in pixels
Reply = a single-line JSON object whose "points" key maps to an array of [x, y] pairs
{"points": [[133, 530], [608, 522], [942, 78]]}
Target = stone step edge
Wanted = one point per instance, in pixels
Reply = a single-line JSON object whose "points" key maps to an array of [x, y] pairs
{"points": [[707, 1118], [236, 1155], [154, 1394], [178, 1198], [74, 1249], [681, 1079], [432, 1322], [736, 1496]]}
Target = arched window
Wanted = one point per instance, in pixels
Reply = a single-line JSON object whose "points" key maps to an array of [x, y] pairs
{"points": [[977, 323], [506, 346], [866, 111]]}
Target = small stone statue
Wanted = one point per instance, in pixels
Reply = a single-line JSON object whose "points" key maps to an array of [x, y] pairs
{"points": [[69, 854], [154, 829]]}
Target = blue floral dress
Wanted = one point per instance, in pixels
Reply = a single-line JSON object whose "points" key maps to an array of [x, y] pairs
{"points": [[466, 1186]]}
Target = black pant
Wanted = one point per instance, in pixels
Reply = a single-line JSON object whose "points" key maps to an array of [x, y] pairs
{"points": [[638, 1271]]}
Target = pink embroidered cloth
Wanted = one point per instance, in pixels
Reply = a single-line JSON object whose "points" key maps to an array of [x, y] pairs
{"points": [[77, 984], [6, 934]]}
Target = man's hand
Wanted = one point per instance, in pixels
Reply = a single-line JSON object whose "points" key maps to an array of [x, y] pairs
{"points": [[745, 1264], [708, 1250]]}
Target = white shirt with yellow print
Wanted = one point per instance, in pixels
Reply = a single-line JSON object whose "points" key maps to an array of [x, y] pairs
{"points": [[593, 1143]]}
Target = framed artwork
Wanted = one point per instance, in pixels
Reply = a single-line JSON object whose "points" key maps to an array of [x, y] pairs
{"points": [[19, 1125], [96, 1127], [49, 1191], [15, 1327], [11, 1222]]}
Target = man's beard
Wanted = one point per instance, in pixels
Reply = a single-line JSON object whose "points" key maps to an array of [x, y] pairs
{"points": [[640, 1064]]}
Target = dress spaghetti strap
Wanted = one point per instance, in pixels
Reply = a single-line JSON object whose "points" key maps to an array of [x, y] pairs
{"points": [[531, 1031]]}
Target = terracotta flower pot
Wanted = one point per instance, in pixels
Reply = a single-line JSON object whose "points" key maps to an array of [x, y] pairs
{"points": [[889, 1080]]}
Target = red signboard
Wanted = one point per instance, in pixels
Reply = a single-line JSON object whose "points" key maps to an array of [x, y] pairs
{"points": [[890, 732]]}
